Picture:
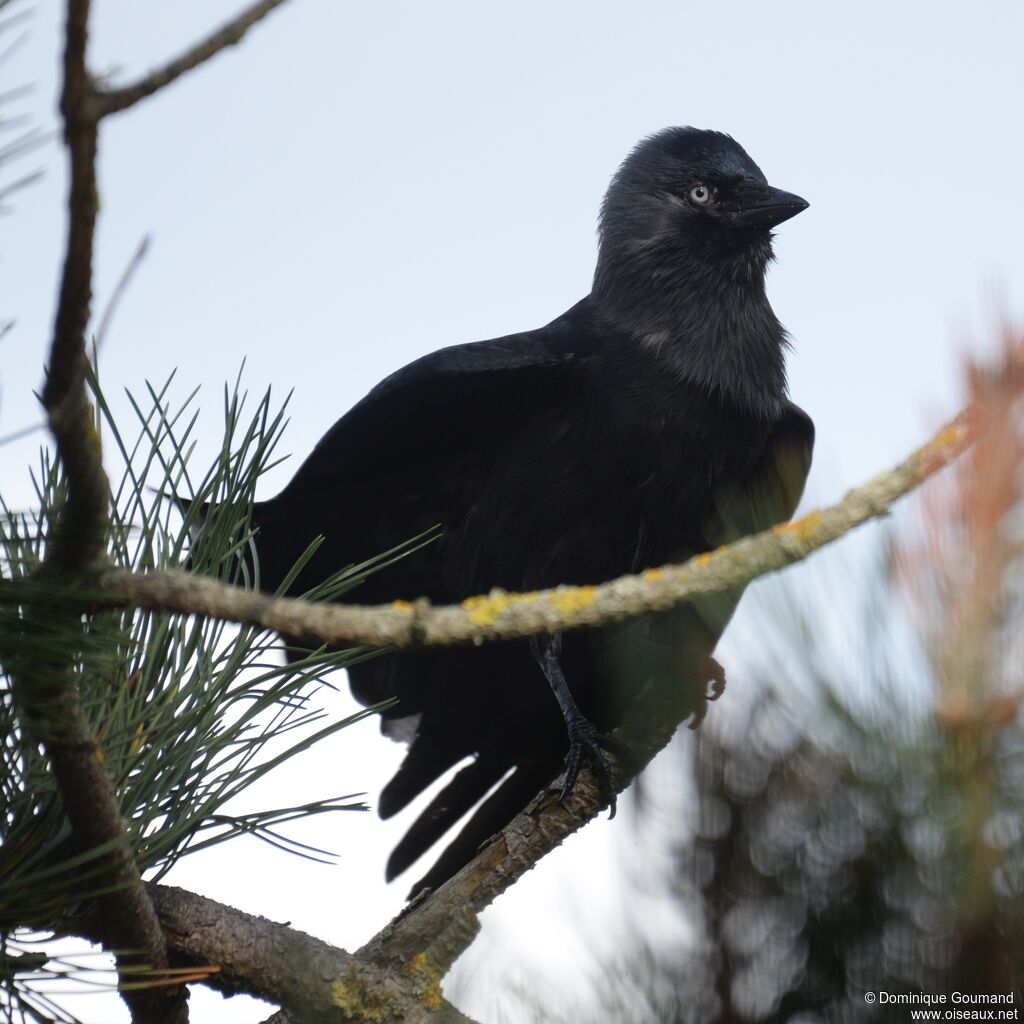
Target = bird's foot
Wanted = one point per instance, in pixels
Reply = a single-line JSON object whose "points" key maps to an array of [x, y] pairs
{"points": [[589, 745], [713, 676]]}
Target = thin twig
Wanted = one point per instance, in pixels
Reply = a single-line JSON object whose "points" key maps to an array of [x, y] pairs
{"points": [[110, 101], [17, 435], [24, 181], [119, 289], [501, 615]]}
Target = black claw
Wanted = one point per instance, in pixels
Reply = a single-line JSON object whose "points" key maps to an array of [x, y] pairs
{"points": [[714, 676], [586, 743]]}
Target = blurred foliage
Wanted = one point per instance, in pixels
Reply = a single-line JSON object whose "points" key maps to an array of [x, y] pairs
{"points": [[829, 856]]}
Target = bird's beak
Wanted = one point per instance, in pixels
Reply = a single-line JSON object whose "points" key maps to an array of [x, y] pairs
{"points": [[762, 206]]}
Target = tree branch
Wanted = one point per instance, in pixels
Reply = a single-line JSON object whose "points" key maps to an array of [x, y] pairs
{"points": [[421, 944], [81, 532], [311, 980], [440, 926], [110, 101], [397, 975], [501, 615], [46, 686]]}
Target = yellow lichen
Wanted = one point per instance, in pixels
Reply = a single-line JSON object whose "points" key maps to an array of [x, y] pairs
{"points": [[485, 609], [652, 574], [572, 600], [703, 558], [802, 528], [417, 965], [948, 436], [353, 998], [423, 972], [402, 606]]}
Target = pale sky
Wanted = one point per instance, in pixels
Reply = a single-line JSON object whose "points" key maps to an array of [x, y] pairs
{"points": [[358, 184]]}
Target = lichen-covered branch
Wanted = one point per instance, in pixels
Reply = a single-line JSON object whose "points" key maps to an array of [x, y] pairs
{"points": [[110, 101], [397, 975], [311, 980], [502, 615]]}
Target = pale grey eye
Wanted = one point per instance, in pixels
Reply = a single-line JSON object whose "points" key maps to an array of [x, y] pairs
{"points": [[700, 194]]}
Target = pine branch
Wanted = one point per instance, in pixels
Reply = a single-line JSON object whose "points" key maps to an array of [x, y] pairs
{"points": [[397, 975], [113, 100], [502, 615], [46, 687]]}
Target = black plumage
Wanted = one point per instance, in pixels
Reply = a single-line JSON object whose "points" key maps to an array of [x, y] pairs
{"points": [[648, 423]]}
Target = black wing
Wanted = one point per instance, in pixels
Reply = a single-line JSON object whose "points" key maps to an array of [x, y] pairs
{"points": [[439, 403], [401, 460]]}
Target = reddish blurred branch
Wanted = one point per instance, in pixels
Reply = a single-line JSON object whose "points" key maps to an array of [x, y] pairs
{"points": [[962, 569], [964, 575]]}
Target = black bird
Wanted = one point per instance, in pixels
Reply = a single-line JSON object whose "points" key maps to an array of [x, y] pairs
{"points": [[647, 424]]}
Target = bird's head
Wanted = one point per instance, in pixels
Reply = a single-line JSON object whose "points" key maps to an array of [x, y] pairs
{"points": [[686, 236], [690, 196]]}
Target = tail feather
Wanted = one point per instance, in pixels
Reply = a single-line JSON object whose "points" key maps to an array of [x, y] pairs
{"points": [[492, 816], [422, 765], [459, 796]]}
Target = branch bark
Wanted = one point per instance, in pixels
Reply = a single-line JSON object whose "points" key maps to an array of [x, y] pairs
{"points": [[311, 980], [110, 101], [501, 615], [81, 532]]}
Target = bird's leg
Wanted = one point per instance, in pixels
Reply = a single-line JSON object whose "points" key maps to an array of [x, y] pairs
{"points": [[584, 739]]}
